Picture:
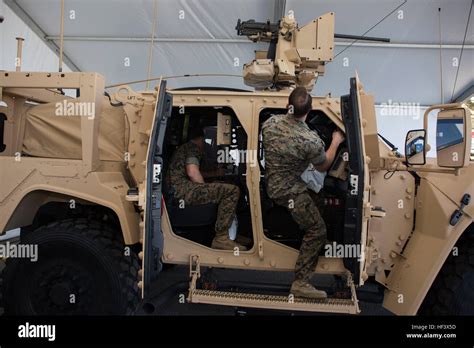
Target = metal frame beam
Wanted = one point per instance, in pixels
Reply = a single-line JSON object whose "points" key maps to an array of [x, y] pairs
{"points": [[279, 10], [463, 95], [245, 41]]}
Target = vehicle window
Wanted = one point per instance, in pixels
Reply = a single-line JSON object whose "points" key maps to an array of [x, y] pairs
{"points": [[449, 132]]}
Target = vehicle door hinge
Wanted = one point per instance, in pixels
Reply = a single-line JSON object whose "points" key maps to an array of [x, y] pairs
{"points": [[457, 214], [370, 211], [260, 249], [132, 195], [194, 271]]}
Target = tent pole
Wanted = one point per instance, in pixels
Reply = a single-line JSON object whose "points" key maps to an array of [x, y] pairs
{"points": [[61, 44], [150, 52]]}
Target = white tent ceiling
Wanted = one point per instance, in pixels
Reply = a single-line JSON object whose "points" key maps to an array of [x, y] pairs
{"points": [[106, 34]]}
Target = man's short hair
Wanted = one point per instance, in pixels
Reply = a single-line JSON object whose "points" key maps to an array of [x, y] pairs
{"points": [[195, 132], [299, 102]]}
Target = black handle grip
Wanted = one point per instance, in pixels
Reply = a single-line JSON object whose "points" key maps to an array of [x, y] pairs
{"points": [[3, 118]]}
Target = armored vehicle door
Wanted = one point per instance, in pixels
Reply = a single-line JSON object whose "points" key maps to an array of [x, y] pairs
{"points": [[357, 208], [153, 237]]}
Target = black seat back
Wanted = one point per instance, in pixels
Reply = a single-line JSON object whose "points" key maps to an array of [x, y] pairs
{"points": [[192, 215]]}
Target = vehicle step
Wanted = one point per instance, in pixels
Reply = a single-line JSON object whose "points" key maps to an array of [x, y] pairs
{"points": [[226, 298]]}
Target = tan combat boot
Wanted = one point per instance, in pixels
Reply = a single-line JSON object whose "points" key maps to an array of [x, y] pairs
{"points": [[243, 241], [225, 243], [303, 289]]}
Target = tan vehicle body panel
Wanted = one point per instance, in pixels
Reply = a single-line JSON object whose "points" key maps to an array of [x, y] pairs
{"points": [[37, 181], [432, 240]]}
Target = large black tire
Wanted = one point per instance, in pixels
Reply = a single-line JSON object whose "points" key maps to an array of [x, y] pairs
{"points": [[452, 292], [82, 269]]}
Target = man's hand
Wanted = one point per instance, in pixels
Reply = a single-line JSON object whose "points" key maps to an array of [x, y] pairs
{"points": [[337, 137]]}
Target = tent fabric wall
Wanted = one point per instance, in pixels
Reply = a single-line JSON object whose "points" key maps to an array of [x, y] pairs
{"points": [[199, 36], [391, 73]]}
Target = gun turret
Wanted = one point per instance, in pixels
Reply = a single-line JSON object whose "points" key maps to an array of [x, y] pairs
{"points": [[266, 31], [297, 55]]}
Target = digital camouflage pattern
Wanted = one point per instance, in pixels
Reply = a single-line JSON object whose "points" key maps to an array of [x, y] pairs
{"points": [[305, 212], [289, 148], [188, 153], [225, 195]]}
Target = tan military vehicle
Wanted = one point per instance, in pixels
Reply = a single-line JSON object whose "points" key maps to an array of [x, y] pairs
{"points": [[83, 179]]}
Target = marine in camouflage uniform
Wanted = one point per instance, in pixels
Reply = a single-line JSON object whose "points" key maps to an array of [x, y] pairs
{"points": [[192, 193], [289, 148]]}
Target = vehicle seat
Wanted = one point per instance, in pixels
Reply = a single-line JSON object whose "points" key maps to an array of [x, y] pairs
{"points": [[190, 215]]}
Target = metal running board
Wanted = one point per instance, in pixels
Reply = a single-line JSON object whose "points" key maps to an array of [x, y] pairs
{"points": [[330, 305], [291, 303]]}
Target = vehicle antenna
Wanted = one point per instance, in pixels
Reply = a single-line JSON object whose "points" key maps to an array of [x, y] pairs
{"points": [[150, 52], [171, 77], [19, 54], [61, 41], [440, 55]]}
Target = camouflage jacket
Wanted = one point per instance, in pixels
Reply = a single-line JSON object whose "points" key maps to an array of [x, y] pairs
{"points": [[289, 147], [188, 153]]}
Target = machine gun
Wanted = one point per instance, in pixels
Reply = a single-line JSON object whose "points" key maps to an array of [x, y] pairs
{"points": [[296, 55], [257, 31], [263, 31]]}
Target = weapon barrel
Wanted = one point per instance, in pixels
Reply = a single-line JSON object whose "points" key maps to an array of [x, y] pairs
{"points": [[361, 38]]}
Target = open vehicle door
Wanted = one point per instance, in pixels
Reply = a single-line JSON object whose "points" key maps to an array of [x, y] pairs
{"points": [[357, 196], [153, 236]]}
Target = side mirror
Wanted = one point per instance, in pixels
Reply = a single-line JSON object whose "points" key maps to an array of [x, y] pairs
{"points": [[451, 140], [415, 143]]}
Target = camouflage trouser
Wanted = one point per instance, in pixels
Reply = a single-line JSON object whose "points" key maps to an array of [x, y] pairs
{"points": [[304, 210], [225, 195]]}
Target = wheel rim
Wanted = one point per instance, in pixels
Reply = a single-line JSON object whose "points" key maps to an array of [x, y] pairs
{"points": [[67, 288], [68, 282]]}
